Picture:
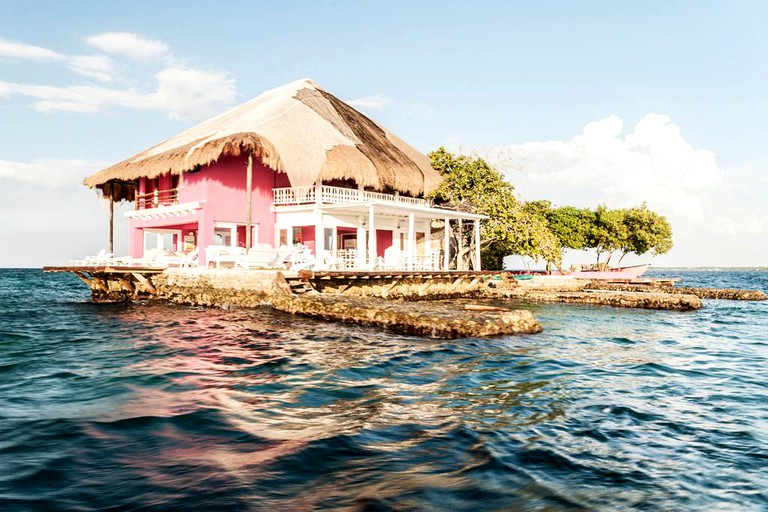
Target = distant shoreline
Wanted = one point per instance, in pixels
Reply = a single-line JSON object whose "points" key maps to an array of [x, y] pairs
{"points": [[695, 268]]}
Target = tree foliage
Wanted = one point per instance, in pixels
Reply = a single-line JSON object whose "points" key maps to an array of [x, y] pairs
{"points": [[471, 185], [536, 229], [645, 231], [572, 226], [608, 233]]}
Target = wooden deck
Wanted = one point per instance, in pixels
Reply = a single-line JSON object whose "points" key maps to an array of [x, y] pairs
{"points": [[114, 283], [105, 268]]}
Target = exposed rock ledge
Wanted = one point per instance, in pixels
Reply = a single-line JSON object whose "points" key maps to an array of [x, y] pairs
{"points": [[249, 289], [431, 319], [644, 300], [703, 293]]}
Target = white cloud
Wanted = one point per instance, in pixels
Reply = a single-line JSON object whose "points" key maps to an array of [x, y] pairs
{"points": [[653, 163], [189, 93], [93, 66], [135, 47], [180, 91], [717, 213], [373, 101], [22, 51], [82, 98], [50, 173], [741, 225]]}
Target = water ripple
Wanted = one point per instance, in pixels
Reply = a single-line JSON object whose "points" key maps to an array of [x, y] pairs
{"points": [[157, 406]]}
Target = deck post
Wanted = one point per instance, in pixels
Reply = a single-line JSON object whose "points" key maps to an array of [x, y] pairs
{"points": [[362, 261], [478, 265], [248, 194], [411, 240], [112, 225], [319, 238], [371, 239], [460, 249], [447, 245]]}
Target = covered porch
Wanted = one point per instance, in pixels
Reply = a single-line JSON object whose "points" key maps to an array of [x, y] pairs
{"points": [[377, 235]]}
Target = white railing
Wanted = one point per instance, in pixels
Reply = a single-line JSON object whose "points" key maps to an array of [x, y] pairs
{"points": [[338, 195], [293, 195]]}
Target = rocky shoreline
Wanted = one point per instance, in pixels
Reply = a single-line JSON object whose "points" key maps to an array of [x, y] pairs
{"points": [[702, 293], [407, 303]]}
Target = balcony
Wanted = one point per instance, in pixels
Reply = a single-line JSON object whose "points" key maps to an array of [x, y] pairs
{"points": [[157, 198], [337, 195]]}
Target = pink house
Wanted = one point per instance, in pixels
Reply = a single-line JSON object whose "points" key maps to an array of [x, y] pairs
{"points": [[294, 167]]}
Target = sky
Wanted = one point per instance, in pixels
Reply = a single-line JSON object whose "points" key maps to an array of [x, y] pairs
{"points": [[581, 103]]}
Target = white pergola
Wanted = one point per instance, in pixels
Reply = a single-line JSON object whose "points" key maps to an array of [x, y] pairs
{"points": [[372, 214]]}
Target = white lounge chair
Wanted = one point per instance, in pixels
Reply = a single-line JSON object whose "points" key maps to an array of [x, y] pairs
{"points": [[219, 254], [179, 259], [258, 256], [301, 258], [102, 258]]}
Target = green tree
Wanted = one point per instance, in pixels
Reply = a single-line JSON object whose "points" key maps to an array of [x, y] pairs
{"points": [[608, 234], [646, 231], [472, 185], [572, 226]]}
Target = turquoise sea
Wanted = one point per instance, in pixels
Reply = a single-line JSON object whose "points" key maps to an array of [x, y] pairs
{"points": [[162, 407]]}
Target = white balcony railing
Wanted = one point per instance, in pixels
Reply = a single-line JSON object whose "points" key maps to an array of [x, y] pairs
{"points": [[337, 195]]}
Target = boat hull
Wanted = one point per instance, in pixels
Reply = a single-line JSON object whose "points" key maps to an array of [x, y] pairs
{"points": [[620, 273]]}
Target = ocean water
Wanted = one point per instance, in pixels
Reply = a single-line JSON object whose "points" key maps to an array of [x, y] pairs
{"points": [[163, 407]]}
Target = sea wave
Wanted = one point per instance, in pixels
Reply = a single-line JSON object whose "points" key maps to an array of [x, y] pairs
{"points": [[166, 407]]}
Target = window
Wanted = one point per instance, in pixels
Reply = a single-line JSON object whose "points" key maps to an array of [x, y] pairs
{"points": [[162, 239], [222, 236]]}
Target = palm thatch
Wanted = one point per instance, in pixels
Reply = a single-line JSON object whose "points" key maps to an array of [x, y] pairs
{"points": [[299, 129]]}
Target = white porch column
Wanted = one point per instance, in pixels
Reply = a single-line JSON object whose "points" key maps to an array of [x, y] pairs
{"points": [[411, 240], [319, 238], [460, 249], [478, 265], [447, 245], [362, 261], [371, 239]]}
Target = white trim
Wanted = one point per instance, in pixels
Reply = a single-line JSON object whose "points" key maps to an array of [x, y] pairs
{"points": [[175, 210], [384, 209], [447, 244], [478, 265], [371, 238]]}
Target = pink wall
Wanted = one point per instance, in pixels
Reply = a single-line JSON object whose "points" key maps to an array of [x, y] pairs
{"points": [[222, 188]]}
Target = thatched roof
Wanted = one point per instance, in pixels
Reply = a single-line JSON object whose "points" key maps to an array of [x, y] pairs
{"points": [[299, 129]]}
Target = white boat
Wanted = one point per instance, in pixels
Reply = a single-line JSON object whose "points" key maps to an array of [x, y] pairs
{"points": [[631, 272]]}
